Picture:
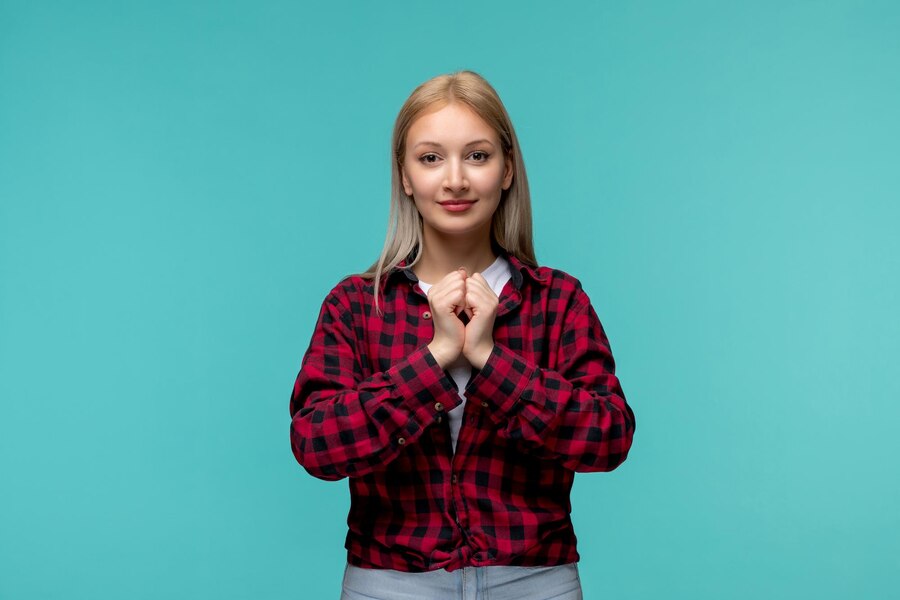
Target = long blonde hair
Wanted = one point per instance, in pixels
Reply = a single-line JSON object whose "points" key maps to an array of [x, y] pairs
{"points": [[511, 226]]}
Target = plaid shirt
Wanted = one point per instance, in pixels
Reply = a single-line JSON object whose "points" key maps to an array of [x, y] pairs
{"points": [[370, 404]]}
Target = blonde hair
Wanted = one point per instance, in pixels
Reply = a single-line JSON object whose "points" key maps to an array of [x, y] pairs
{"points": [[511, 226]]}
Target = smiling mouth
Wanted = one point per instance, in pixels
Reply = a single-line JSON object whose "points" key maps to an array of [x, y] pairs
{"points": [[455, 202]]}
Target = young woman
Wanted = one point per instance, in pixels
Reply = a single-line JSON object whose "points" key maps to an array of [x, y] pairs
{"points": [[456, 383]]}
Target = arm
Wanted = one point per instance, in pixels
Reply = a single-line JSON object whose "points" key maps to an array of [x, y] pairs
{"points": [[343, 425], [576, 414]]}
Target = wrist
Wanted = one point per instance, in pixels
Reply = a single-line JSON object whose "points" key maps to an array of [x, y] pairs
{"points": [[440, 354], [479, 357]]}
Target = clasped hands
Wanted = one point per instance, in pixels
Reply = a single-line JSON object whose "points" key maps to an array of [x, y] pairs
{"points": [[452, 295]]}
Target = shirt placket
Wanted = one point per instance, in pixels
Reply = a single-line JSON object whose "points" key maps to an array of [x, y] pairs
{"points": [[509, 301], [461, 473]]}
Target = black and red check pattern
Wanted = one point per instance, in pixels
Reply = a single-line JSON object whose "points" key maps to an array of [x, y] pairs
{"points": [[370, 404]]}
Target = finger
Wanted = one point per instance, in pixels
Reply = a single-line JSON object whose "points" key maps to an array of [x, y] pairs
{"points": [[482, 288], [477, 299], [451, 289], [482, 301], [457, 298], [450, 279], [479, 278], [447, 299], [473, 285]]}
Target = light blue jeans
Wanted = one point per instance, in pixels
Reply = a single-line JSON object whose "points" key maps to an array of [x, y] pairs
{"points": [[469, 583]]}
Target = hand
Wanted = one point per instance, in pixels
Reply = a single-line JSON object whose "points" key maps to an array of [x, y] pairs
{"points": [[447, 299], [479, 333]]}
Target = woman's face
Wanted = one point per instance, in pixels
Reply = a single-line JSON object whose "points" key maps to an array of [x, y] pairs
{"points": [[453, 154]]}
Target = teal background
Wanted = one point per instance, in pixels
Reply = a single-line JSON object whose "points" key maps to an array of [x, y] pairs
{"points": [[182, 183]]}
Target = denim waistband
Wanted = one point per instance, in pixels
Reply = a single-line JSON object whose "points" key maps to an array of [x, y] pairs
{"points": [[559, 582]]}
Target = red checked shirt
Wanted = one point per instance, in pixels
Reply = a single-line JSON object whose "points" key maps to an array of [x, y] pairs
{"points": [[370, 404]]}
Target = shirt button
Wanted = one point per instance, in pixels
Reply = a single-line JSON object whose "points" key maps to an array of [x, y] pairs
{"points": [[454, 479], [426, 315], [438, 406], [484, 404], [401, 441]]}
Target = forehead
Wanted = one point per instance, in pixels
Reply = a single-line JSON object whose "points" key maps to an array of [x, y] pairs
{"points": [[452, 124]]}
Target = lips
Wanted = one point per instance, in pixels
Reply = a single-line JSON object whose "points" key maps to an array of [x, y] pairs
{"points": [[455, 202]]}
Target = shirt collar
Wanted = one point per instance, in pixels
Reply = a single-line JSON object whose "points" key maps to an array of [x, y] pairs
{"points": [[519, 270]]}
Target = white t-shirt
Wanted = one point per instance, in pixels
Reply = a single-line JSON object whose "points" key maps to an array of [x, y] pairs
{"points": [[496, 275]]}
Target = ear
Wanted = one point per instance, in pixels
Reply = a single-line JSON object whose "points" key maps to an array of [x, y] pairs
{"points": [[405, 180], [508, 172]]}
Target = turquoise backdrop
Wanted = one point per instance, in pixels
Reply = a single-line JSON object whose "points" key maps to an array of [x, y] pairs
{"points": [[181, 183]]}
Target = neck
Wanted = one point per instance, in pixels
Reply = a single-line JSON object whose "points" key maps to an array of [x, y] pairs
{"points": [[441, 255]]}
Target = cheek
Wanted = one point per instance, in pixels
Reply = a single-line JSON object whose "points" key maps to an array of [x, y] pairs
{"points": [[489, 178], [425, 181]]}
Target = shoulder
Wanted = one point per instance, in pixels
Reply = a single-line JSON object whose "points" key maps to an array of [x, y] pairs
{"points": [[565, 297], [559, 284], [543, 279], [356, 293], [348, 290], [557, 277]]}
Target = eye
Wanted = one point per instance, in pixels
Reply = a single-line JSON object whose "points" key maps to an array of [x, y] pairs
{"points": [[426, 158], [480, 156]]}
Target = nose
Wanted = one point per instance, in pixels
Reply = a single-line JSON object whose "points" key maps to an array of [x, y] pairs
{"points": [[455, 176]]}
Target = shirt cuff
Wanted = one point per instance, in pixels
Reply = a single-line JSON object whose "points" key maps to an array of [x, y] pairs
{"points": [[498, 386], [423, 386]]}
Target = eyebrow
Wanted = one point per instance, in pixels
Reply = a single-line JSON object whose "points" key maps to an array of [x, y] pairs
{"points": [[435, 144]]}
